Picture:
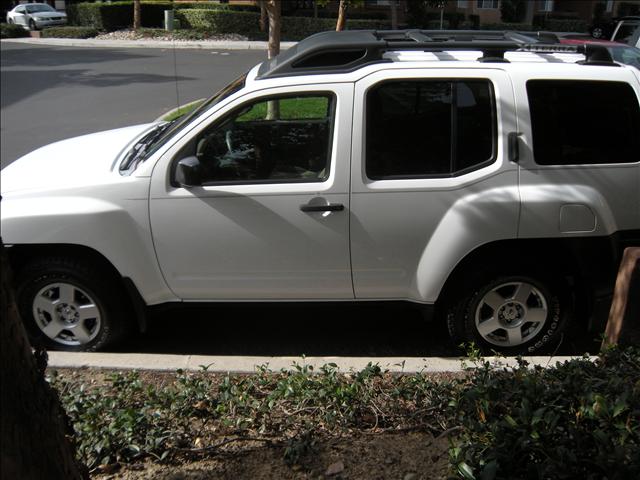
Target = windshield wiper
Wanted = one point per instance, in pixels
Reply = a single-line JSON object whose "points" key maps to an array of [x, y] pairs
{"points": [[137, 152]]}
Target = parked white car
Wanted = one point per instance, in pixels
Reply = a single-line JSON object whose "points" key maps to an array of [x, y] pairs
{"points": [[487, 180], [35, 16]]}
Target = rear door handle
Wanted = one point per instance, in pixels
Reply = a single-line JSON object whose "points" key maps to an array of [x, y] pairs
{"points": [[331, 207]]}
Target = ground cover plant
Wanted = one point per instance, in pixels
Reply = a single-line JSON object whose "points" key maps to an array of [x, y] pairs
{"points": [[11, 30], [579, 419], [69, 32]]}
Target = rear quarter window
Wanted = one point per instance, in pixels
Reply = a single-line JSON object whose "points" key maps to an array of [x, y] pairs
{"points": [[577, 122]]}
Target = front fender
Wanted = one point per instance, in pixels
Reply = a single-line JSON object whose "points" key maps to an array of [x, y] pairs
{"points": [[120, 233]]}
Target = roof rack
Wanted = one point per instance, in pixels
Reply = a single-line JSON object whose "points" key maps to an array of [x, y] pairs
{"points": [[346, 51]]}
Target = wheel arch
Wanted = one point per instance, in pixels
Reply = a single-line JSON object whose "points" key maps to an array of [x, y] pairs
{"points": [[587, 264], [21, 254]]}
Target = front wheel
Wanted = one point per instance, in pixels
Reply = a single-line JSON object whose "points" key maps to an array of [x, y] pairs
{"points": [[69, 305], [512, 315], [32, 25]]}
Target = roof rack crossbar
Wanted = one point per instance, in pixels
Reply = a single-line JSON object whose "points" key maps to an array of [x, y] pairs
{"points": [[340, 52]]}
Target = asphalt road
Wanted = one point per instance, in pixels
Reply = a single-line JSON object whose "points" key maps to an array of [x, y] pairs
{"points": [[52, 93]]}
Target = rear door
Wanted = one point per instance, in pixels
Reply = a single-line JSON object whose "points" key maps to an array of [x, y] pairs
{"points": [[430, 176]]}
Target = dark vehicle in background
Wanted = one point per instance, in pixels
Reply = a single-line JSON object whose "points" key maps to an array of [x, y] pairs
{"points": [[627, 31], [604, 29]]}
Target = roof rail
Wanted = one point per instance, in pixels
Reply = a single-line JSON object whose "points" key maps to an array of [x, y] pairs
{"points": [[346, 51]]}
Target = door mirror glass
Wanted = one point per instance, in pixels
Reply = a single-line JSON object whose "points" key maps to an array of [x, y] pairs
{"points": [[189, 172]]}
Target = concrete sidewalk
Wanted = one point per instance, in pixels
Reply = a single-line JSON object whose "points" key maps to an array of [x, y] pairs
{"points": [[243, 364], [93, 43]]}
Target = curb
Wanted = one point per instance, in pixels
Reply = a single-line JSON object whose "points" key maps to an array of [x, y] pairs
{"points": [[193, 44], [247, 364]]}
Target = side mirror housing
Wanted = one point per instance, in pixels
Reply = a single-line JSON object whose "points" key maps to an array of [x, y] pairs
{"points": [[189, 172]]}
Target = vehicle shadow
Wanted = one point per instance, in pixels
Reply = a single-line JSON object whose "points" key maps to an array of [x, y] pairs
{"points": [[370, 329]]}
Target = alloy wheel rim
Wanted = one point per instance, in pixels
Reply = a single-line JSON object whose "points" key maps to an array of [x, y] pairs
{"points": [[67, 314], [511, 314]]}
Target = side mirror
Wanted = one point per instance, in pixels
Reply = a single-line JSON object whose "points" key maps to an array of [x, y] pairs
{"points": [[189, 172]]}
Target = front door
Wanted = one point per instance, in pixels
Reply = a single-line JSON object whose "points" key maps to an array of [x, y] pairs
{"points": [[271, 219]]}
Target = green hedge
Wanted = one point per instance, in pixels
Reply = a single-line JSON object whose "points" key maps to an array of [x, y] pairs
{"points": [[220, 21], [115, 15], [212, 18], [69, 32], [558, 25], [508, 26], [246, 23], [12, 31]]}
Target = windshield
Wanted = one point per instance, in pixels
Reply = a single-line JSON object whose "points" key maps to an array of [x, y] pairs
{"points": [[39, 8], [171, 128]]}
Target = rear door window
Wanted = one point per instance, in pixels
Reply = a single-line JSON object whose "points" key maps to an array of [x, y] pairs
{"points": [[429, 128]]}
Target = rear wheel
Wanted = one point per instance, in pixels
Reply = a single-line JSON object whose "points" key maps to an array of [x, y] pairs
{"points": [[518, 314], [69, 305]]}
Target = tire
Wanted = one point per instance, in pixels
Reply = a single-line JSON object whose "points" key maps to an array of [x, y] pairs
{"points": [[597, 32], [10, 21], [70, 305], [32, 25], [514, 315]]}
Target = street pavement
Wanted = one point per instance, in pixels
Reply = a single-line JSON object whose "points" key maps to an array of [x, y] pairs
{"points": [[49, 93]]}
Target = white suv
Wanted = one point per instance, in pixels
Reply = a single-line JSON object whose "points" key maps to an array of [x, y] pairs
{"points": [[487, 179]]}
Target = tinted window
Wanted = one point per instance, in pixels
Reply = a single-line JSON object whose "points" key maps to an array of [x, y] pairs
{"points": [[273, 140], [429, 128], [583, 122]]}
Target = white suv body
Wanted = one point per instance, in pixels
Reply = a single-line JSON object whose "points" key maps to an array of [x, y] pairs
{"points": [[504, 244]]}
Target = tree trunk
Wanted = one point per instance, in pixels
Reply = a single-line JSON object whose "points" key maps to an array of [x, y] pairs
{"points": [[263, 16], [342, 15], [35, 433], [137, 13], [273, 11], [315, 8], [623, 326], [394, 15]]}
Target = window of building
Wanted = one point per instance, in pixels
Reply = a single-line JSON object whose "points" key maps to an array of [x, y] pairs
{"points": [[462, 3], [546, 6], [583, 122], [486, 4], [429, 128], [279, 139], [609, 7]]}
